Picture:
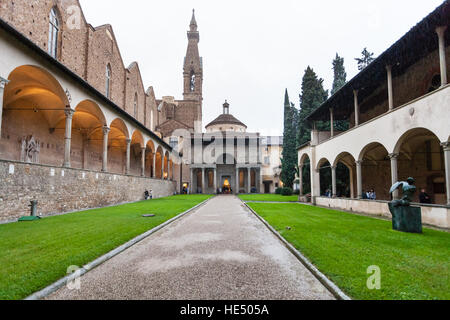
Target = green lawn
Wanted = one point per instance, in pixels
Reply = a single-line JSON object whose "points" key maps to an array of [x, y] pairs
{"points": [[343, 246], [35, 254], [268, 198]]}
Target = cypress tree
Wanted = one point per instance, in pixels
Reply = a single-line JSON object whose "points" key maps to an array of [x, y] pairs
{"points": [[340, 79], [289, 155], [365, 60], [312, 96], [340, 76]]}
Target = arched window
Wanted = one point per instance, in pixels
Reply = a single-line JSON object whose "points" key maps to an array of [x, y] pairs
{"points": [[108, 81], [53, 32], [135, 106], [151, 120], [192, 81]]}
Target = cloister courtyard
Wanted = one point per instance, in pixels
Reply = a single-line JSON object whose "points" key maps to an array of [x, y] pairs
{"points": [[112, 187], [221, 242]]}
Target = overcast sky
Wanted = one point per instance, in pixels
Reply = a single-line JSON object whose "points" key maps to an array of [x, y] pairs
{"points": [[252, 50]]}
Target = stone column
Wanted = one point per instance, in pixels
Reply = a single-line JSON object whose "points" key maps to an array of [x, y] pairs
{"points": [[249, 186], [300, 178], [154, 165], [359, 179], [355, 94], [68, 136], [3, 83], [446, 147], [332, 122], [191, 185], [106, 131], [203, 180], [237, 181], [394, 172], [215, 180], [333, 181], [390, 89], [127, 168], [163, 163], [143, 161], [441, 35]]}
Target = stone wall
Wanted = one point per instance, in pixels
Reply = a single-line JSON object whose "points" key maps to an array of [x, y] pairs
{"points": [[438, 216], [60, 190]]}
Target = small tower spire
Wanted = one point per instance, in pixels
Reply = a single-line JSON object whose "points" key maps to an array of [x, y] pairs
{"points": [[193, 24], [226, 107]]}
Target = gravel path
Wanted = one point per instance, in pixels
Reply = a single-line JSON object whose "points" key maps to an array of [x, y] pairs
{"points": [[221, 251]]}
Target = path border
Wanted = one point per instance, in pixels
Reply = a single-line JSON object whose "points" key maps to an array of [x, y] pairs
{"points": [[331, 286], [97, 262]]}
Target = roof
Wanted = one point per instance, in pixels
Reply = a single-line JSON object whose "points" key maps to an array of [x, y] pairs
{"points": [[44, 55], [416, 44], [226, 119]]}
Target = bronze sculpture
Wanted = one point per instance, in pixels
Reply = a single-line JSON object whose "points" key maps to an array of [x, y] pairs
{"points": [[405, 217]]}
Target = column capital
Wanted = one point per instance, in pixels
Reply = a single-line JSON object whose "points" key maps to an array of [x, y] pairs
{"points": [[388, 68], [446, 146], [441, 30], [393, 155], [144, 148], [69, 112], [3, 82], [355, 92], [359, 162], [333, 167], [106, 130], [128, 141]]}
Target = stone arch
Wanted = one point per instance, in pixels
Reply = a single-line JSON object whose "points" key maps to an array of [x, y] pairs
{"points": [[303, 158], [345, 166], [324, 171], [149, 159], [321, 162], [374, 158], [421, 155], [136, 146], [87, 135], [34, 105], [413, 132], [305, 166], [166, 165]]}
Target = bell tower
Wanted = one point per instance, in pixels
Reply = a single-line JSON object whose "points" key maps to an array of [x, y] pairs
{"points": [[193, 71]]}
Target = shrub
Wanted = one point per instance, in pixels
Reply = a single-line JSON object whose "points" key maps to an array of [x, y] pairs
{"points": [[286, 192], [297, 192], [278, 190]]}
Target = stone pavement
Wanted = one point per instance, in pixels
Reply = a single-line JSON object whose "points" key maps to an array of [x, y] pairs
{"points": [[221, 251]]}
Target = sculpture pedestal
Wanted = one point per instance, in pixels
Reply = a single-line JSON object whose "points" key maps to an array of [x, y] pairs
{"points": [[406, 218]]}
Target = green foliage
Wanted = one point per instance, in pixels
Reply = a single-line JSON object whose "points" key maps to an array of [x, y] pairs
{"points": [[289, 155], [278, 190], [340, 79], [365, 60], [312, 96], [342, 180], [34, 255], [286, 191], [344, 245], [340, 76]]}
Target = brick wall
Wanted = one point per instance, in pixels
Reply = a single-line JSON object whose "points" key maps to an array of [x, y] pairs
{"points": [[61, 190], [85, 50]]}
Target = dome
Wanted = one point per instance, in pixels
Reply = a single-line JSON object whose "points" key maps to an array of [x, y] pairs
{"points": [[226, 122]]}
